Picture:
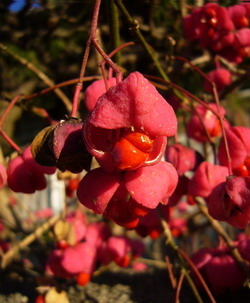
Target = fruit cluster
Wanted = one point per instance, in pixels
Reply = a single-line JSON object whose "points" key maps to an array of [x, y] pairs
{"points": [[142, 173], [224, 31], [75, 238]]}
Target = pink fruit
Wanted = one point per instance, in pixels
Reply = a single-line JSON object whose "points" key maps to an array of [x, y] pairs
{"points": [[133, 106], [3, 175], [230, 201], [207, 176], [23, 179], [96, 90], [127, 196]]}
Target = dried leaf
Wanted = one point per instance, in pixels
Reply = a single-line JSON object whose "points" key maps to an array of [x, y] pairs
{"points": [[53, 296]]}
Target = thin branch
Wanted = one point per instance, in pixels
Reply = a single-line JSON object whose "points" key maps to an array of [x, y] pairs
{"points": [[229, 161], [40, 75], [79, 84], [178, 289], [170, 272], [114, 29], [199, 276], [9, 255], [217, 101], [10, 141], [65, 83], [115, 67], [8, 109], [244, 264], [110, 55], [135, 28], [185, 92], [92, 40], [174, 247]]}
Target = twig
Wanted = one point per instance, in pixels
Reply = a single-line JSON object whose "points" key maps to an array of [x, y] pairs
{"points": [[92, 40], [217, 101], [244, 264], [170, 272], [110, 55], [79, 84], [174, 247], [114, 29], [153, 262], [185, 92], [199, 276], [229, 161], [8, 108], [10, 141], [135, 28], [178, 289], [65, 83], [9, 255], [40, 74]]}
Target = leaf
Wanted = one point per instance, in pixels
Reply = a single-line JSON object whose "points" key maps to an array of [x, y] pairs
{"points": [[53, 296]]}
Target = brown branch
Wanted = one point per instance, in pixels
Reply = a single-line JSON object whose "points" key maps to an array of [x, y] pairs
{"points": [[65, 83], [244, 264], [185, 92], [178, 289], [199, 276], [170, 272], [7, 258], [40, 75], [170, 242], [92, 40]]}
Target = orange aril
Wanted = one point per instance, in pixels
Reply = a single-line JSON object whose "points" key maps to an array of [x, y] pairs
{"points": [[123, 261], [118, 210], [242, 22], [83, 278], [62, 244], [137, 209], [127, 156], [140, 140], [132, 150], [241, 171], [216, 130], [247, 163], [154, 233]]}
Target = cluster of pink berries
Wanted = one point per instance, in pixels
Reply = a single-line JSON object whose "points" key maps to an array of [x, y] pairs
{"points": [[227, 196], [224, 31], [127, 131], [220, 269], [89, 246]]}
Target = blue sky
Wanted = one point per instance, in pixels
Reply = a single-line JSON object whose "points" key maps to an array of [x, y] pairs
{"points": [[17, 5]]}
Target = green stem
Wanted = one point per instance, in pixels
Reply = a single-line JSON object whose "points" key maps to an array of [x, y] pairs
{"points": [[184, 270], [244, 264], [39, 74], [114, 29], [135, 28]]}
